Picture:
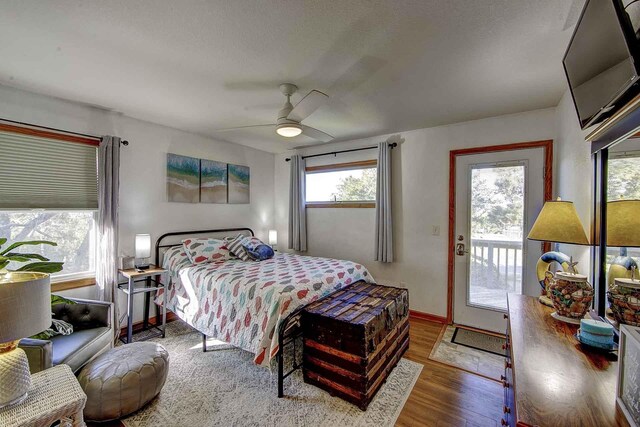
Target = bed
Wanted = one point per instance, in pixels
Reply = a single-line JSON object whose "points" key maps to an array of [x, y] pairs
{"points": [[251, 305]]}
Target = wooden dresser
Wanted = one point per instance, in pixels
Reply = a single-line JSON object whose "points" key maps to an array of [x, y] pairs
{"points": [[550, 379]]}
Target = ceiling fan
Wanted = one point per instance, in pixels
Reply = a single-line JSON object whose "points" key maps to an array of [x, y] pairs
{"points": [[288, 123]]}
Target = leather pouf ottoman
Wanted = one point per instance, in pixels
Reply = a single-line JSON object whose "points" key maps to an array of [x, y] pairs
{"points": [[123, 380]]}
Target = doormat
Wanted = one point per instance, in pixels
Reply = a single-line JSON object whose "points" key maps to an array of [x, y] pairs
{"points": [[479, 362], [479, 341]]}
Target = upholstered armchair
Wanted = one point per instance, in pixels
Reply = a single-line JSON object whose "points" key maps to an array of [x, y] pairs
{"points": [[92, 334]]}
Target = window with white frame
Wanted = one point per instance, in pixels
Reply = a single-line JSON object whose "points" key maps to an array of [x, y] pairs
{"points": [[344, 184], [48, 191]]}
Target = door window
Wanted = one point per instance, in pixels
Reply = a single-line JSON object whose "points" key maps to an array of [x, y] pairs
{"points": [[497, 218]]}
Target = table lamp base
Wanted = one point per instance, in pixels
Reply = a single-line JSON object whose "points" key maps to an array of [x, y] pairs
{"points": [[14, 375]]}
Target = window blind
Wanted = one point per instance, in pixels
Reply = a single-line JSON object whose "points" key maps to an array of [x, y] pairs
{"points": [[43, 173]]}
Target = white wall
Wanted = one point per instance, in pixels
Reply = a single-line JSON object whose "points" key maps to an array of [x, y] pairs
{"points": [[574, 177], [420, 192], [143, 202]]}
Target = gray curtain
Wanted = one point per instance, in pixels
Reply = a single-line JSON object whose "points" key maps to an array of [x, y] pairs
{"points": [[297, 212], [108, 185], [384, 223]]}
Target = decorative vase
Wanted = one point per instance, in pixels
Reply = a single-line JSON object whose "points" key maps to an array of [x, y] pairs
{"points": [[571, 295], [624, 300]]}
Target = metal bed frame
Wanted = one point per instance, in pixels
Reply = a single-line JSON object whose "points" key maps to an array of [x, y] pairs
{"points": [[290, 328]]}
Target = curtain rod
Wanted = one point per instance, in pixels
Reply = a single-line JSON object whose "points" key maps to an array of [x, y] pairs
{"points": [[392, 145], [59, 130]]}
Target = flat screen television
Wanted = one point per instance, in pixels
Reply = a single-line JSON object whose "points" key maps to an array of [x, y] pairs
{"points": [[602, 63]]}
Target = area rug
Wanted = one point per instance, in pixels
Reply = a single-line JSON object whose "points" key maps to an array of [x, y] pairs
{"points": [[224, 387], [479, 341], [469, 359]]}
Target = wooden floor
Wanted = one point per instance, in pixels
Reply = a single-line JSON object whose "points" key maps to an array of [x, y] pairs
{"points": [[445, 396], [442, 396]]}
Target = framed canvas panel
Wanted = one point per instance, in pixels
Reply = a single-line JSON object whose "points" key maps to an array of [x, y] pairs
{"points": [[239, 184], [213, 181], [183, 179]]}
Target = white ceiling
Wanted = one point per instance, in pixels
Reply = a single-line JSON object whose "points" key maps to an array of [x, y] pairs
{"points": [[389, 66]]}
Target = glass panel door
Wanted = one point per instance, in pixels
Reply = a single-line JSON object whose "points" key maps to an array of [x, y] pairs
{"points": [[497, 195]]}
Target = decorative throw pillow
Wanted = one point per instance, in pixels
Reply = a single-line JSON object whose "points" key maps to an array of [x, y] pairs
{"points": [[206, 250], [257, 249], [58, 327], [261, 252], [236, 247]]}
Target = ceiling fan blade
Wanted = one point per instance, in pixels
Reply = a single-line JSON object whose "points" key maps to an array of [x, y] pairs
{"points": [[310, 103], [316, 134], [242, 127]]}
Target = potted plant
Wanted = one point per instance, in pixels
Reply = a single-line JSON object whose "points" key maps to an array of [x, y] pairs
{"points": [[41, 263]]}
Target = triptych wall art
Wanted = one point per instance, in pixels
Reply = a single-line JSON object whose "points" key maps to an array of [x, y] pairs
{"points": [[191, 180]]}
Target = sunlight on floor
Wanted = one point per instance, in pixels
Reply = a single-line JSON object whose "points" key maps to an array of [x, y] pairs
{"points": [[211, 344]]}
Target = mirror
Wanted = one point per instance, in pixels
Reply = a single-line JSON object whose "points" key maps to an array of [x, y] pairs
{"points": [[620, 200]]}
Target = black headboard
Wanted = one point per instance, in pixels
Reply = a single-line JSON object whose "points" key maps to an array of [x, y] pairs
{"points": [[160, 244]]}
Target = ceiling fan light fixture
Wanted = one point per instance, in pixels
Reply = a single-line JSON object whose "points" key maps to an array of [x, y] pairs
{"points": [[289, 130]]}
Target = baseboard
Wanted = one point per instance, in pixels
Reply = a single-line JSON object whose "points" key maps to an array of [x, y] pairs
{"points": [[427, 316], [138, 326]]}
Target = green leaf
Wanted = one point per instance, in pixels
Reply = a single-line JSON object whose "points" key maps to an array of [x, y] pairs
{"points": [[30, 242], [17, 258], [59, 299], [44, 335], [3, 264], [28, 256], [3, 240], [42, 267]]}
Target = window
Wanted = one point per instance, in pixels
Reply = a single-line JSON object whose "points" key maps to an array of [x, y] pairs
{"points": [[74, 232], [49, 191], [342, 185]]}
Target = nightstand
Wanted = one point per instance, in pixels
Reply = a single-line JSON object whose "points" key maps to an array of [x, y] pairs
{"points": [[54, 395], [131, 288]]}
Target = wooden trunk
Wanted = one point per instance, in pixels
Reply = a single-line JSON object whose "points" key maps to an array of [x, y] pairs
{"points": [[354, 338]]}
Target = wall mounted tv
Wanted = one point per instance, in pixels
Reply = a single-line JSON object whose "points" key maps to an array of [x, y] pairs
{"points": [[602, 62]]}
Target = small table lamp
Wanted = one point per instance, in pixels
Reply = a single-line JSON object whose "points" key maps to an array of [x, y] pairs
{"points": [[557, 222], [273, 238], [25, 310], [143, 251], [623, 231]]}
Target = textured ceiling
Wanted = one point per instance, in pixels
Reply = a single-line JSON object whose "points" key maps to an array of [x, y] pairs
{"points": [[388, 66]]}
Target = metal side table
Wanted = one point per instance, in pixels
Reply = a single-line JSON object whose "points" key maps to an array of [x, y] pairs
{"points": [[150, 278]]}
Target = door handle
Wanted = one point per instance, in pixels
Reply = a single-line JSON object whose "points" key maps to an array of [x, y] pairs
{"points": [[460, 251]]}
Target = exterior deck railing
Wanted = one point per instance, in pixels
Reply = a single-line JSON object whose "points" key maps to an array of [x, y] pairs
{"points": [[501, 260]]}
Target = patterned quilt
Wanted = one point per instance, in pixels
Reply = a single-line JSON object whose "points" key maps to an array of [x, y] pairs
{"points": [[242, 302]]}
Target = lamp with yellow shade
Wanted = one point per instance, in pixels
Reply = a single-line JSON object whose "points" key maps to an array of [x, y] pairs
{"points": [[558, 222], [623, 231]]}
